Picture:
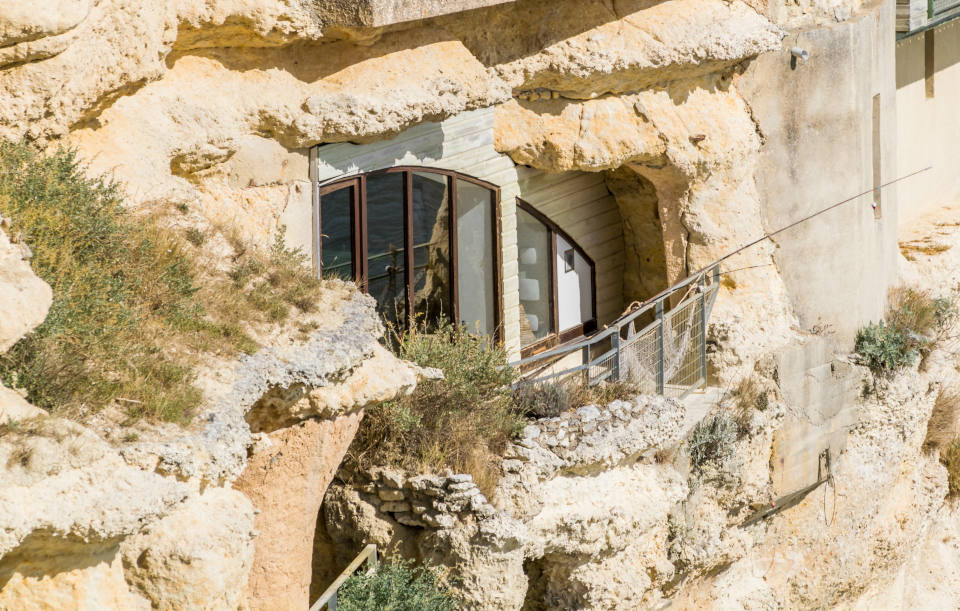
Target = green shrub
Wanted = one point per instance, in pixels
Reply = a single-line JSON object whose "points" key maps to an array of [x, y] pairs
{"points": [[914, 322], [884, 348], [463, 422], [129, 314], [396, 585], [712, 440]]}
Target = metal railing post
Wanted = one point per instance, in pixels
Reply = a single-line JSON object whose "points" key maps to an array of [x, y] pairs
{"points": [[586, 361], [615, 345], [702, 340], [660, 381]]}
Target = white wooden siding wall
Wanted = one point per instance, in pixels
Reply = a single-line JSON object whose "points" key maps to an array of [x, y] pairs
{"points": [[577, 201]]}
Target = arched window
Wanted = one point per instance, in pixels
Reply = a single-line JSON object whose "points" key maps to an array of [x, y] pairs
{"points": [[421, 241], [557, 281]]}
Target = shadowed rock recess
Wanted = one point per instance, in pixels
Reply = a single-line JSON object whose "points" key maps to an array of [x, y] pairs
{"points": [[555, 163]]}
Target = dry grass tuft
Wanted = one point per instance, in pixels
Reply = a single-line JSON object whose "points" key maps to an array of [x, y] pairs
{"points": [[925, 247], [944, 424], [748, 395], [129, 316], [550, 399], [950, 457]]}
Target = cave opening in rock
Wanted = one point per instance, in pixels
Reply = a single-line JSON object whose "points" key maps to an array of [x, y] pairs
{"points": [[535, 599], [645, 269]]}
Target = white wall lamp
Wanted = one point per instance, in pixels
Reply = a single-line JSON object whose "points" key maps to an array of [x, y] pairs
{"points": [[799, 53]]}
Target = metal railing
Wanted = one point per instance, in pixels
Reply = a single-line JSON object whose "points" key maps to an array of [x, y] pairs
{"points": [[659, 347], [329, 597], [937, 8]]}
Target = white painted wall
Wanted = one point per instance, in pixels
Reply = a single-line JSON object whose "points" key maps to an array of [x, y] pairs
{"points": [[928, 128]]}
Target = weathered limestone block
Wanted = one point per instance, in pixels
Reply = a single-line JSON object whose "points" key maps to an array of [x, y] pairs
{"points": [[561, 135], [200, 110], [66, 501], [52, 573], [21, 21], [593, 48], [378, 378], [197, 557], [24, 298]]}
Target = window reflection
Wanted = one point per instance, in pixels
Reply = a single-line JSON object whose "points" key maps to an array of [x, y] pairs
{"points": [[385, 245], [336, 241], [431, 246], [536, 286], [475, 259]]}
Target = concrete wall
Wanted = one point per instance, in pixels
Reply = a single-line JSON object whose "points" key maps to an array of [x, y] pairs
{"points": [[928, 129], [817, 118]]}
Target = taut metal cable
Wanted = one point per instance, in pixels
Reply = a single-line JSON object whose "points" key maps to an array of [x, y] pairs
{"points": [[807, 218]]}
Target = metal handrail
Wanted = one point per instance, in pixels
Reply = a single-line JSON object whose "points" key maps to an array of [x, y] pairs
{"points": [[329, 596], [617, 326]]}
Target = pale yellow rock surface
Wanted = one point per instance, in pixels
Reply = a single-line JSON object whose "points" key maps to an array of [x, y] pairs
{"points": [[197, 557], [24, 298], [588, 49]]}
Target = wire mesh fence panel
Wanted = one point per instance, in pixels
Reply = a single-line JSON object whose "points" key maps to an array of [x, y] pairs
{"points": [[601, 369], [683, 335], [639, 360], [667, 356]]}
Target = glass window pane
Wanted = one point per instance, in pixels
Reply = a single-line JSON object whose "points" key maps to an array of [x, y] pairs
{"points": [[385, 248], [475, 259], [533, 249], [574, 286], [336, 233], [431, 250]]}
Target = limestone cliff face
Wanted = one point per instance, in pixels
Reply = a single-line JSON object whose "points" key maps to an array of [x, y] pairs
{"points": [[216, 103], [93, 522]]}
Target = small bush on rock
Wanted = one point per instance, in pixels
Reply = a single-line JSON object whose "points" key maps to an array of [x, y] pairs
{"points": [[542, 400], [712, 440], [396, 585], [914, 322], [550, 399], [462, 422]]}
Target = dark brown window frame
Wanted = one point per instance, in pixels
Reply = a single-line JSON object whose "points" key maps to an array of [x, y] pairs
{"points": [[358, 223], [560, 336]]}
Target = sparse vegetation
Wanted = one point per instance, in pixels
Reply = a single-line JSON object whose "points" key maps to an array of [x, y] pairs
{"points": [[398, 586], [944, 424], [463, 422], [712, 440], [128, 315], [272, 284], [749, 396], [678, 538], [926, 247], [550, 399], [195, 236], [950, 457], [914, 321]]}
